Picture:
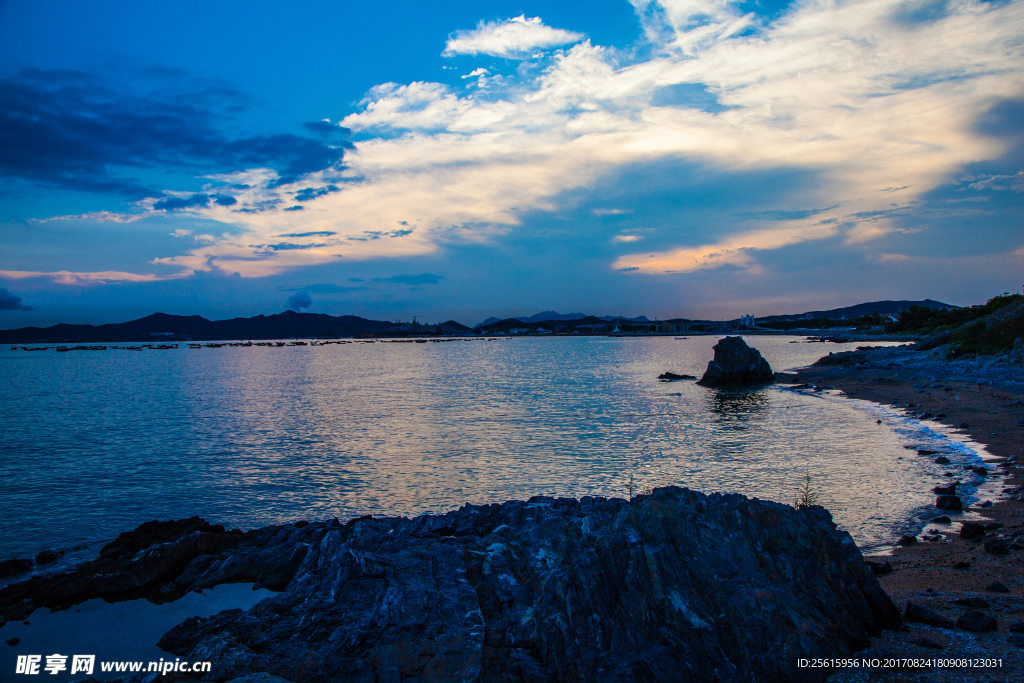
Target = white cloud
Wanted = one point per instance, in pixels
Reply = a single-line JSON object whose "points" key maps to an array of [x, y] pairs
{"points": [[515, 38], [627, 238], [104, 216], [877, 111], [1013, 182], [94, 278]]}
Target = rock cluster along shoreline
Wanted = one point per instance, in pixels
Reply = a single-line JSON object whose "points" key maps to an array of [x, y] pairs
{"points": [[671, 586], [967, 555]]}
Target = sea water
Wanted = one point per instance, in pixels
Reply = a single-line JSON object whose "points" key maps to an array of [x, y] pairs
{"points": [[93, 443]]}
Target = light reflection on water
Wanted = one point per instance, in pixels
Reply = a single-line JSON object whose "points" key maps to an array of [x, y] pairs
{"points": [[94, 443]]}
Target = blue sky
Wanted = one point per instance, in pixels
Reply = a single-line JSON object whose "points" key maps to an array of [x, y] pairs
{"points": [[695, 158]]}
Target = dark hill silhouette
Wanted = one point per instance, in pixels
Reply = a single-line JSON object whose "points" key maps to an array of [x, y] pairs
{"points": [[160, 326], [554, 316], [516, 323], [860, 310]]}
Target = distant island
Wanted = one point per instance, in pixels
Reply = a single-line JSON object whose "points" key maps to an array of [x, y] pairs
{"points": [[869, 317]]}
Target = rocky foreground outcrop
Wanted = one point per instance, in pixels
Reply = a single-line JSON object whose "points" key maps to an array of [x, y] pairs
{"points": [[672, 586], [736, 364]]}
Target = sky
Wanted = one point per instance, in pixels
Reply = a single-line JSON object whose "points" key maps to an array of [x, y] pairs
{"points": [[460, 160]]}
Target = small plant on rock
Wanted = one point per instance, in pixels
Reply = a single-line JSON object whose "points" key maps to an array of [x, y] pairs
{"points": [[635, 488], [806, 494]]}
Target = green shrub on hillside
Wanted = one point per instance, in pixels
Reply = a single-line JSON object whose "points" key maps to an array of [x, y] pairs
{"points": [[922, 320]]}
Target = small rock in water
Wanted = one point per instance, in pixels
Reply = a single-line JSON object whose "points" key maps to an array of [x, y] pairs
{"points": [[672, 377], [942, 460], [948, 490], [980, 471], [14, 567], [949, 503], [13, 641], [925, 451], [907, 540], [976, 622], [48, 557], [985, 504], [942, 519], [997, 587]]}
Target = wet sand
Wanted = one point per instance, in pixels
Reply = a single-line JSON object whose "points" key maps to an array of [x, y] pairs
{"points": [[937, 573]]}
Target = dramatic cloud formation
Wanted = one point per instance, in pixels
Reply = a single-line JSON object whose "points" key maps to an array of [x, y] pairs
{"points": [[819, 122], [11, 302], [299, 300], [64, 277], [876, 104], [71, 130], [515, 38]]}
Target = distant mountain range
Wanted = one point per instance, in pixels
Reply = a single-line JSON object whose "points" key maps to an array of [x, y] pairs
{"points": [[160, 326], [861, 310], [547, 316]]}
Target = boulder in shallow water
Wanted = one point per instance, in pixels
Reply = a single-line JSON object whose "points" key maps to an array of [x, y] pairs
{"points": [[671, 586], [952, 503], [14, 567], [673, 377], [736, 364]]}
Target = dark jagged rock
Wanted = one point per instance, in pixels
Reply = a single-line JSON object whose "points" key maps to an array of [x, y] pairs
{"points": [[907, 540], [736, 364], [948, 490], [976, 622], [48, 557], [879, 568], [9, 568], [971, 530], [949, 503], [997, 546], [672, 586], [672, 377], [918, 614], [153, 533]]}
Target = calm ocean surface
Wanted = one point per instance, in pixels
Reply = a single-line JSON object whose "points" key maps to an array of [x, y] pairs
{"points": [[94, 443]]}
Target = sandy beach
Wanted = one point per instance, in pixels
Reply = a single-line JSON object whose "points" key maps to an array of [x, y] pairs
{"points": [[952, 576]]}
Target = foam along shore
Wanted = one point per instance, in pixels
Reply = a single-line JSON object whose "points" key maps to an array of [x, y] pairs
{"points": [[945, 569], [671, 586]]}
